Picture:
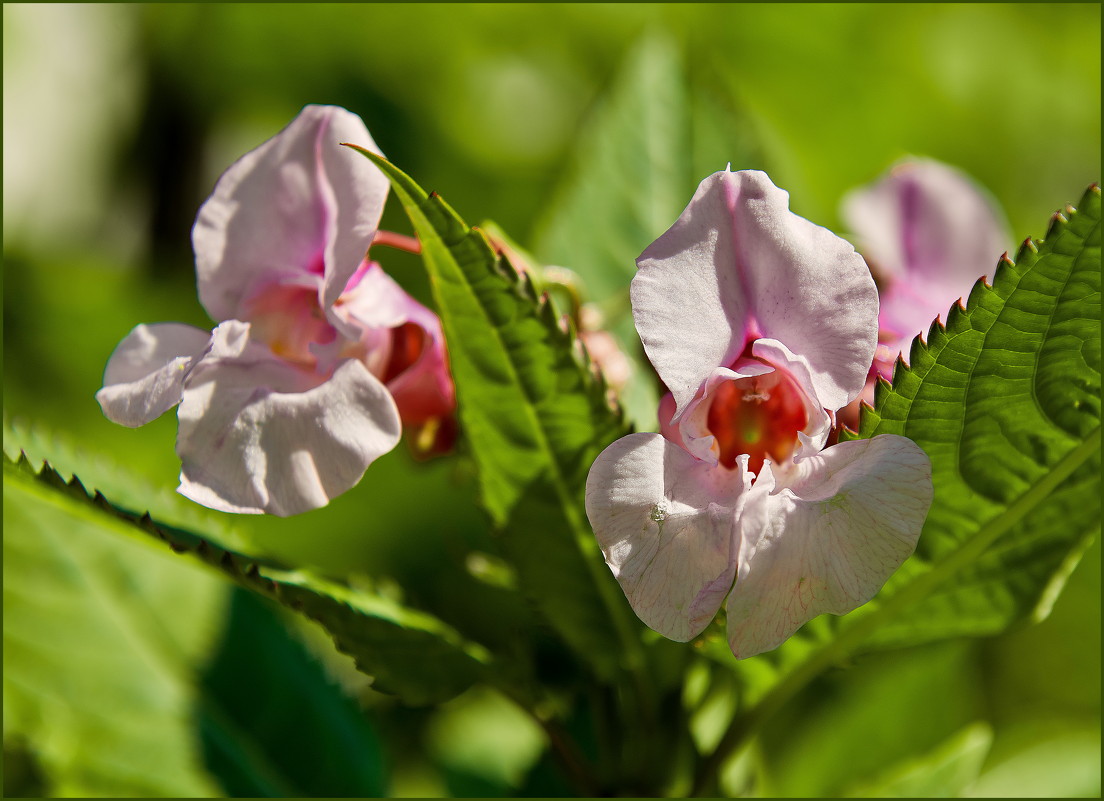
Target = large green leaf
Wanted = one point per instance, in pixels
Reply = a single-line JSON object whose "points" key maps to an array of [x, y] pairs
{"points": [[534, 415], [103, 639], [408, 653], [1005, 400]]}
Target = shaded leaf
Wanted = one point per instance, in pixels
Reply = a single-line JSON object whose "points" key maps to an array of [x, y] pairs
{"points": [[273, 725], [651, 137]]}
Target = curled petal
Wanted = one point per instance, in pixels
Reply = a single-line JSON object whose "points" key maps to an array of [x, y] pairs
{"points": [[812, 438], [828, 539], [298, 204], [145, 375], [929, 232], [260, 435], [414, 363], [666, 523], [737, 265]]}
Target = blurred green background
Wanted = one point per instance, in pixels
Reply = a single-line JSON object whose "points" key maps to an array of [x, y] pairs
{"points": [[119, 118]]}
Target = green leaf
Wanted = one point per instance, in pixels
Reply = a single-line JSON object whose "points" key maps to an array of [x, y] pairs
{"points": [[534, 415], [103, 639], [631, 176], [1060, 760], [273, 725], [408, 653], [1006, 402]]}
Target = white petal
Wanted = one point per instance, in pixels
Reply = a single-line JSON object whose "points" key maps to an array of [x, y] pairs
{"points": [[828, 540], [298, 204], [145, 374], [666, 524], [260, 435], [739, 264], [688, 300]]}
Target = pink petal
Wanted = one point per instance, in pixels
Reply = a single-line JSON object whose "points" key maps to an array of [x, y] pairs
{"points": [[260, 435], [422, 387], [298, 204], [826, 540], [145, 375], [666, 523], [739, 264], [929, 232]]}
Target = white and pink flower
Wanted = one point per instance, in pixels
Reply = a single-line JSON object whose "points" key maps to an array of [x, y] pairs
{"points": [[762, 325], [319, 358]]}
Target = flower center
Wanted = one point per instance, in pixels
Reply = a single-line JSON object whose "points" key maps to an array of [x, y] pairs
{"points": [[288, 318], [760, 416]]}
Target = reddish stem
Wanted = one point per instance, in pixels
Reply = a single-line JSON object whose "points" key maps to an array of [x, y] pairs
{"points": [[398, 241]]}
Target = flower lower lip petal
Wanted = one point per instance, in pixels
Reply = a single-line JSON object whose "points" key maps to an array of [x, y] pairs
{"points": [[245, 448]]}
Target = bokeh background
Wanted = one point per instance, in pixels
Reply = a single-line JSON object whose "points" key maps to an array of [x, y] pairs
{"points": [[119, 118]]}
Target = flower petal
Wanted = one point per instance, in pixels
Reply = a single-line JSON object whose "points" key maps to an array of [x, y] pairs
{"points": [[827, 540], [666, 524], [416, 369], [299, 203], [738, 264], [145, 375], [930, 232], [260, 435]]}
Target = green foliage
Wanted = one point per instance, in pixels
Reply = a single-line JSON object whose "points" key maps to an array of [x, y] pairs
{"points": [[314, 742], [103, 639], [130, 672], [534, 415], [1006, 402], [948, 770], [408, 653]]}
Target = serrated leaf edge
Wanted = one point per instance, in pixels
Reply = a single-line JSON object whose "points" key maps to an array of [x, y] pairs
{"points": [[246, 571]]}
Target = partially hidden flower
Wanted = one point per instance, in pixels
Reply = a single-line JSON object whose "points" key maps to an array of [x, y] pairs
{"points": [[319, 358], [928, 233], [762, 325]]}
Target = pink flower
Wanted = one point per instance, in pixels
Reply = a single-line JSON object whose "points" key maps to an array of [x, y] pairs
{"points": [[319, 357], [929, 233], [762, 325]]}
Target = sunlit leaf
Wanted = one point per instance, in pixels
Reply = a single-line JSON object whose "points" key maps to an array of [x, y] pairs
{"points": [[945, 772], [408, 653], [1006, 402], [533, 414], [103, 640]]}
